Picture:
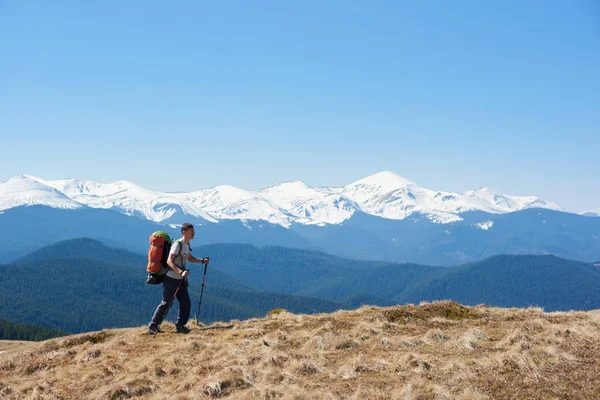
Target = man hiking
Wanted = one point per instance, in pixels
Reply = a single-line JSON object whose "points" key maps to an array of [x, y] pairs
{"points": [[175, 283]]}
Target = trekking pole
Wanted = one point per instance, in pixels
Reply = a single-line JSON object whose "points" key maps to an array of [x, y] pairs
{"points": [[201, 293], [170, 304]]}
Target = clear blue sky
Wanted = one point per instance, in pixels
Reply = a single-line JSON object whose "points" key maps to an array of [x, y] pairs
{"points": [[178, 96]]}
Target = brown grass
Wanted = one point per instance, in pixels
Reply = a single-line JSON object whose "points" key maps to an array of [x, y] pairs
{"points": [[431, 351], [10, 346]]}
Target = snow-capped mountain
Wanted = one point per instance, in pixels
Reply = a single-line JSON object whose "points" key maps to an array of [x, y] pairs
{"points": [[592, 213], [127, 198], [312, 205], [390, 196], [23, 191], [283, 204], [504, 203], [384, 194], [228, 202]]}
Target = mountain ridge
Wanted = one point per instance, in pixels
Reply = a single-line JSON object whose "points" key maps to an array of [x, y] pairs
{"points": [[384, 194]]}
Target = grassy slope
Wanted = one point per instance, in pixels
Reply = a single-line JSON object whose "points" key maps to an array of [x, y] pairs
{"points": [[433, 351]]}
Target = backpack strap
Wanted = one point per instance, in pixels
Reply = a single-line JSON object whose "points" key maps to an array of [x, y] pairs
{"points": [[180, 242], [180, 247], [177, 243]]}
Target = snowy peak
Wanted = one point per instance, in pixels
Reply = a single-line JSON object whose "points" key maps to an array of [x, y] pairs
{"points": [[21, 190], [22, 183], [282, 204], [18, 177], [385, 181], [289, 191], [228, 192], [507, 203], [495, 198], [592, 213], [129, 199], [229, 202], [309, 205], [390, 196], [218, 197], [379, 188], [74, 187], [294, 188]]}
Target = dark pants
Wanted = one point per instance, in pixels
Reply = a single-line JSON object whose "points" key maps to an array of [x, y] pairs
{"points": [[183, 297]]}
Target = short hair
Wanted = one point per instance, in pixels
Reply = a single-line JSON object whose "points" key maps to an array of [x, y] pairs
{"points": [[186, 226]]}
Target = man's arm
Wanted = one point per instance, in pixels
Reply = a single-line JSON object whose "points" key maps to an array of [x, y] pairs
{"points": [[174, 267]]}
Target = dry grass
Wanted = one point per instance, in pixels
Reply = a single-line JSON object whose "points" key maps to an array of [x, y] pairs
{"points": [[431, 351], [9, 346]]}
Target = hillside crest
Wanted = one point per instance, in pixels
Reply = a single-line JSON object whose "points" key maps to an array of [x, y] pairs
{"points": [[436, 350]]}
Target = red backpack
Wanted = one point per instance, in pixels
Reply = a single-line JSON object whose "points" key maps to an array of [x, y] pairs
{"points": [[158, 254]]}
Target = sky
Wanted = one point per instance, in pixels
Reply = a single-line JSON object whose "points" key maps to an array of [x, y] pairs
{"points": [[186, 95]]}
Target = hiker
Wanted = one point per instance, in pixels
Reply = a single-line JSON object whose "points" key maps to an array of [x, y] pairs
{"points": [[176, 282]]}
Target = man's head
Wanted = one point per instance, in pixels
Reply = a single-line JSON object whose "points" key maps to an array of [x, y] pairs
{"points": [[187, 230]]}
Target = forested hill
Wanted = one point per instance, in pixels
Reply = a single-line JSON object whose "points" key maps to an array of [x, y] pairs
{"points": [[91, 286], [550, 282], [95, 291], [515, 281], [12, 331]]}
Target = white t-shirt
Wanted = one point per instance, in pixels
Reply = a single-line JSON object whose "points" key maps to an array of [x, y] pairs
{"points": [[180, 261]]}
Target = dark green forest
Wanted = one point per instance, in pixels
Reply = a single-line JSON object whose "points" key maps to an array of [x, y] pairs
{"points": [[505, 280], [517, 281], [82, 285], [12, 331], [93, 291]]}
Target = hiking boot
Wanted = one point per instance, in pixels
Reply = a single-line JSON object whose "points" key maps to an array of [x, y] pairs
{"points": [[153, 330], [183, 329]]}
